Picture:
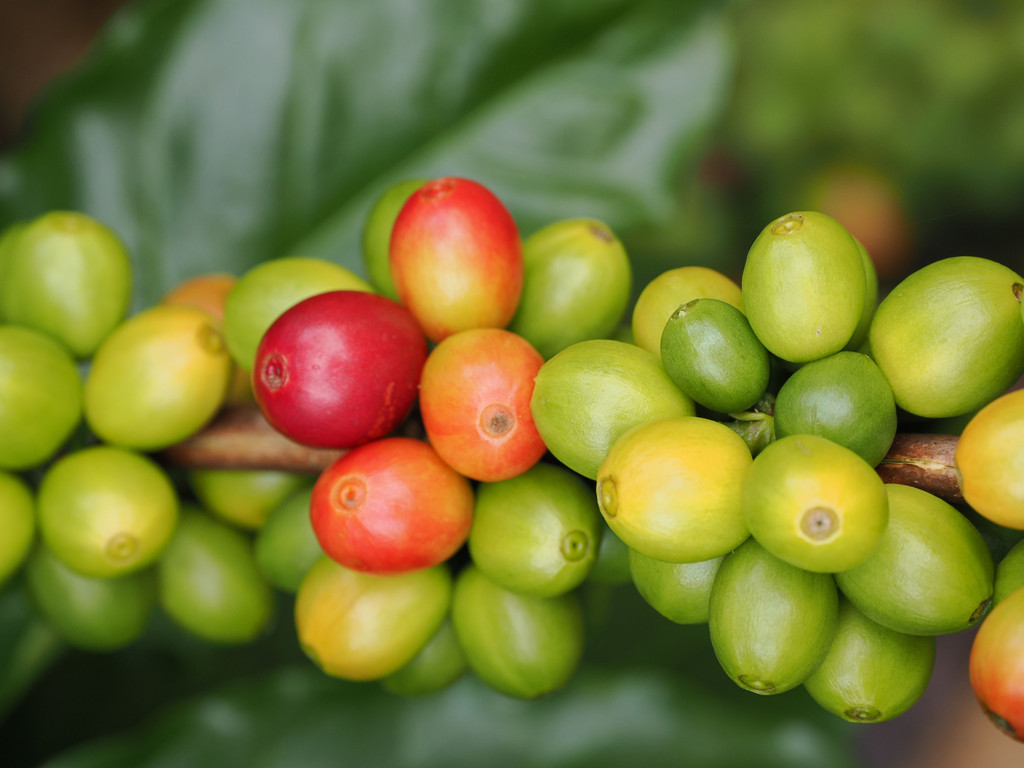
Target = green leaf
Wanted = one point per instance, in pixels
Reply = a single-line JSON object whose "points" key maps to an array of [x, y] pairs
{"points": [[297, 716], [27, 645], [214, 134]]}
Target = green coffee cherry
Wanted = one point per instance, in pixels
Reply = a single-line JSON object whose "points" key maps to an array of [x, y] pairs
{"points": [[286, 545], [17, 524], [669, 291], [576, 285], [98, 614], [69, 276], [771, 623], [520, 645], [377, 234], [209, 581], [536, 533], [871, 673], [438, 664], [803, 286], [930, 574], [263, 293], [40, 397], [590, 393], [244, 497], [843, 397], [710, 352], [681, 592]]}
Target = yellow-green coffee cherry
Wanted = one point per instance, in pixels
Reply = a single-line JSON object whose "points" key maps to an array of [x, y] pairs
{"points": [[362, 626], [377, 234], [17, 524], [520, 645], [244, 497], [263, 293], [949, 337], [209, 581], [871, 673], [670, 489], [576, 285], [815, 504], [157, 379], [68, 276], [40, 397], [590, 393], [771, 623], [106, 511], [803, 286]]}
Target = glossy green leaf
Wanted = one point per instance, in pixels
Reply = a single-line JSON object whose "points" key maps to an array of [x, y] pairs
{"points": [[298, 716], [214, 134]]}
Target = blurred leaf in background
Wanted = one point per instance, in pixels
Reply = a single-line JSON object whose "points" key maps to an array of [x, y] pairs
{"points": [[227, 132], [298, 717], [904, 113]]}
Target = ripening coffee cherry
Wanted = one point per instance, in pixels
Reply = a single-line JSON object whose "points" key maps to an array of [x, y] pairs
{"points": [[391, 506], [475, 402], [997, 665], [456, 258]]}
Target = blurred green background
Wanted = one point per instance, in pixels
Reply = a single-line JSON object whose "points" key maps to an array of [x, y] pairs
{"points": [[214, 134]]}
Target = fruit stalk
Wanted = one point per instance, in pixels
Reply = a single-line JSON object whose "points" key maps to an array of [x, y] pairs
{"points": [[240, 438], [924, 461]]}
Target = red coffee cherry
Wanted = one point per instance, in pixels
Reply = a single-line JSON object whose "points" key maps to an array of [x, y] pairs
{"points": [[339, 369]]}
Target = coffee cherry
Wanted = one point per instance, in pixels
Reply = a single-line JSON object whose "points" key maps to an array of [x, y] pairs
{"points": [[456, 258], [339, 369]]}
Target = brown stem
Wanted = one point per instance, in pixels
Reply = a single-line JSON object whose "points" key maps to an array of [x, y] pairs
{"points": [[240, 438], [926, 462]]}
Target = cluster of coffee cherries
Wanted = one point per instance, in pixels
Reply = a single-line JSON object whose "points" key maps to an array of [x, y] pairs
{"points": [[495, 435]]}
